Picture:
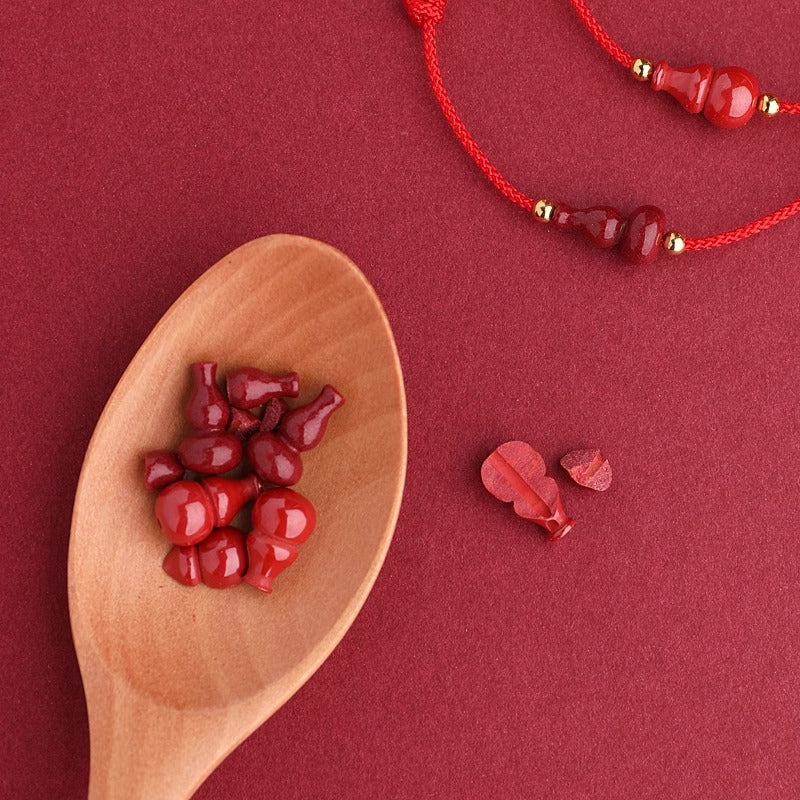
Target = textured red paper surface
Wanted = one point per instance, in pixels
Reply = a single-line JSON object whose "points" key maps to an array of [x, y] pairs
{"points": [[653, 653]]}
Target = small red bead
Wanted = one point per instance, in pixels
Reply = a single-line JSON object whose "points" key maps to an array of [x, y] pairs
{"points": [[641, 238], [185, 512], [249, 387], [229, 495], [267, 558], [207, 409], [223, 559], [601, 225], [161, 468], [304, 427], [732, 97], [273, 460], [182, 564], [284, 513], [210, 453], [688, 85]]}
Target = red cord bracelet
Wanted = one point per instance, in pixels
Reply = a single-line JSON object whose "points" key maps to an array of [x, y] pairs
{"points": [[728, 97]]}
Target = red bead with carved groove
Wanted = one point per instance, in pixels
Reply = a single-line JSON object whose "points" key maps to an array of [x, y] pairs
{"points": [[601, 225], [688, 85], [210, 453], [182, 564], [207, 408], [161, 468], [223, 558], [641, 239], [732, 97], [249, 387]]}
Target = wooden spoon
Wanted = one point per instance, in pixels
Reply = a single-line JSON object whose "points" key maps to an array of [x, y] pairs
{"points": [[176, 677]]}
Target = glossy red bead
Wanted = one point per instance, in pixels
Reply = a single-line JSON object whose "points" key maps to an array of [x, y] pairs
{"points": [[161, 468], [210, 453], [243, 423], [223, 558], [249, 387], [229, 495], [641, 239], [732, 98], [207, 409], [267, 558], [273, 460], [285, 514], [304, 427], [185, 512], [183, 564], [688, 85], [601, 225]]}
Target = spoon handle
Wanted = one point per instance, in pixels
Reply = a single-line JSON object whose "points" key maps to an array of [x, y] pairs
{"points": [[142, 750]]}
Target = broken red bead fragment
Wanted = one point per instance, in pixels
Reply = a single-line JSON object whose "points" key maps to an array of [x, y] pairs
{"points": [[588, 468], [243, 423], [515, 472], [273, 412]]}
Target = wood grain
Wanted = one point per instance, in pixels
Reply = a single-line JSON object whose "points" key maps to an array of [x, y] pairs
{"points": [[176, 677]]}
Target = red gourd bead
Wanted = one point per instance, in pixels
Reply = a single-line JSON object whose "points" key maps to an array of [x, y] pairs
{"points": [[273, 413], [641, 238], [284, 513], [243, 423], [210, 453], [249, 387], [601, 225], [183, 564], [273, 460], [223, 558], [229, 495], [207, 408], [185, 512], [161, 468], [688, 85], [304, 427], [732, 97], [267, 557]]}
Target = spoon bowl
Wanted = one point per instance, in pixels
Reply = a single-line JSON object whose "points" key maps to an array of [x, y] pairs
{"points": [[176, 677]]}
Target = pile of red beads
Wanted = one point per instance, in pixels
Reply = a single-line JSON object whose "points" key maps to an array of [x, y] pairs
{"points": [[195, 511]]}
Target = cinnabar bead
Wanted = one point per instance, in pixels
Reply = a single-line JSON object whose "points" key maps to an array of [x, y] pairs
{"points": [[185, 512], [229, 495], [182, 564], [732, 97], [210, 453], [601, 225], [284, 513], [688, 85], [207, 409], [273, 413], [161, 468], [641, 239], [243, 423], [267, 557], [249, 387], [223, 558], [273, 460], [304, 427]]}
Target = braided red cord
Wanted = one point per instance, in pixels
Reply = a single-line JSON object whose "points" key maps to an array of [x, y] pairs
{"points": [[462, 134], [602, 36], [429, 13]]}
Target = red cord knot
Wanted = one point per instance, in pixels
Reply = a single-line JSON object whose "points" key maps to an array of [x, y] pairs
{"points": [[422, 11]]}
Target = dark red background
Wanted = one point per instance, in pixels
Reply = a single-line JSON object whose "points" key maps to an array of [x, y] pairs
{"points": [[651, 654]]}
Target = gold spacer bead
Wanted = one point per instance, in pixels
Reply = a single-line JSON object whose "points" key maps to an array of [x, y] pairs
{"points": [[769, 105], [674, 243], [543, 210], [642, 69]]}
